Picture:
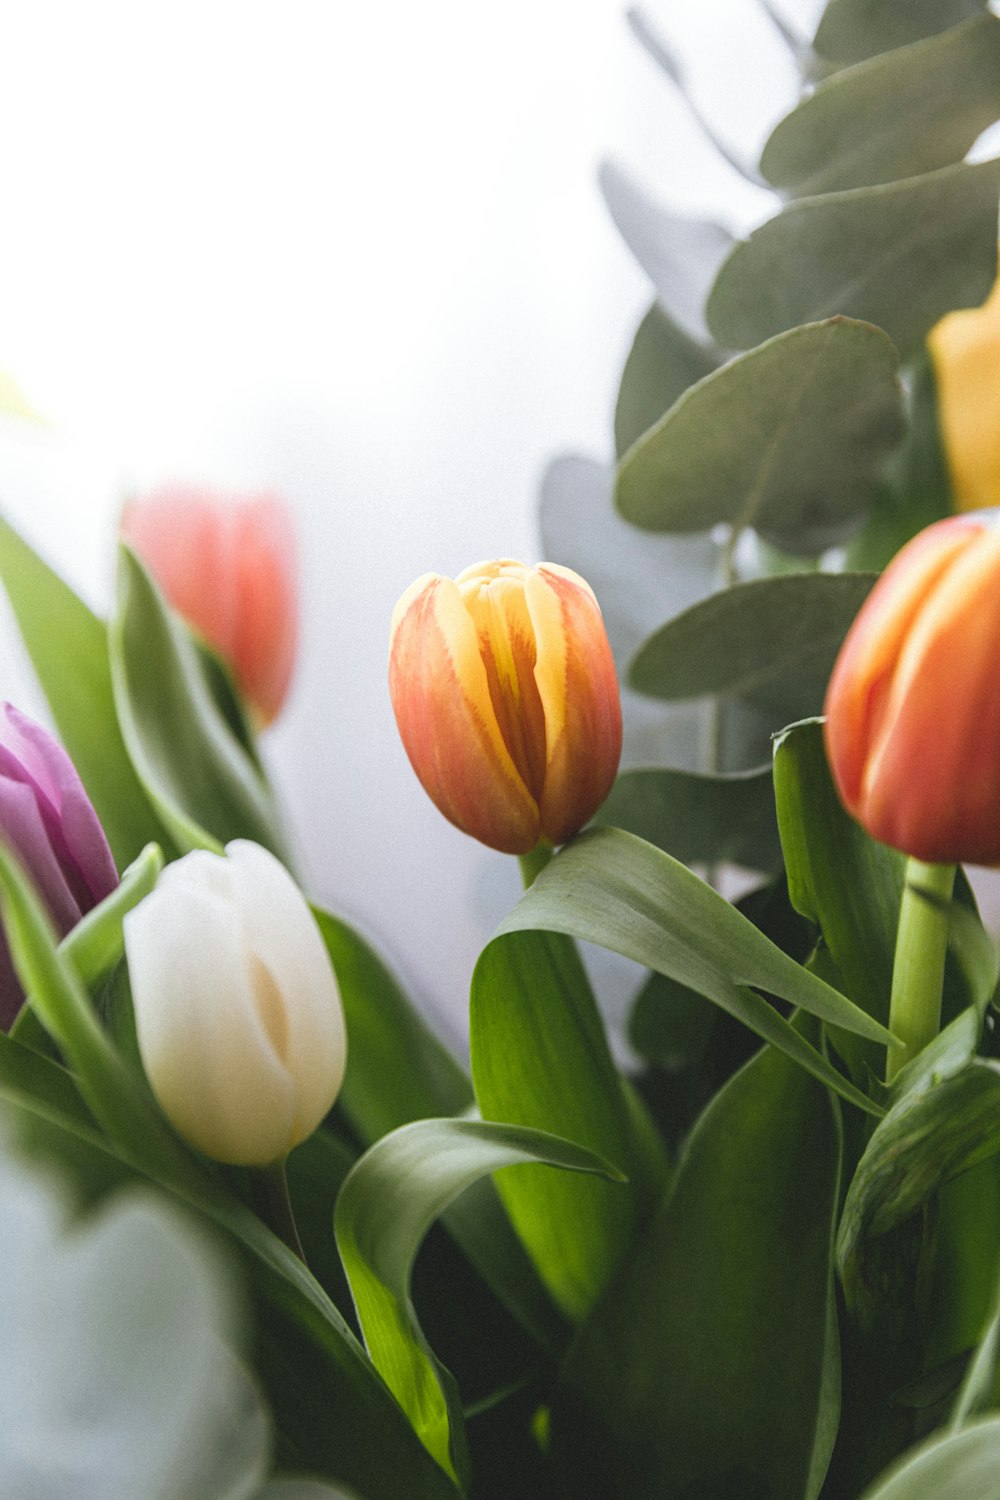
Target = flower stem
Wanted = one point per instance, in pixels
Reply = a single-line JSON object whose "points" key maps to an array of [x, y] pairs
{"points": [[275, 1206], [918, 968], [534, 863]]}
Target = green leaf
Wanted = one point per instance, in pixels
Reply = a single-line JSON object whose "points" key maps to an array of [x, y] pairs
{"points": [[709, 1368], [195, 771], [662, 363], [112, 1093], [333, 1414], [698, 818], [540, 1058], [851, 30], [900, 255], [68, 648], [959, 1466], [679, 255], [398, 1071], [901, 114], [925, 1140], [772, 641], [788, 439], [388, 1202], [609, 888], [96, 944], [850, 885]]}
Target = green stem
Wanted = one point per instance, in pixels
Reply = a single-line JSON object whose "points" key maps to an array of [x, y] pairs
{"points": [[918, 968], [275, 1206], [534, 862]]}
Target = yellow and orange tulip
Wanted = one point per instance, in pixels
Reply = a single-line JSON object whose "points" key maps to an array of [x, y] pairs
{"points": [[913, 707], [227, 565], [506, 698], [965, 353]]}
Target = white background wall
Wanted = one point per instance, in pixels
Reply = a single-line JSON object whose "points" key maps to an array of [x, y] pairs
{"points": [[355, 253]]}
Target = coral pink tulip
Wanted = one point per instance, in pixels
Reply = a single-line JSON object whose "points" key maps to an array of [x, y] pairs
{"points": [[227, 565], [913, 710], [507, 702]]}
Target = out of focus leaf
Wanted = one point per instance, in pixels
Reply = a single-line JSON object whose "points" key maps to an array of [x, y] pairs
{"points": [[385, 1207], [957, 1466], [900, 255], [662, 363], [333, 1415], [710, 1366], [788, 439], [609, 888], [194, 769], [679, 255], [540, 1059], [772, 640], [901, 114], [68, 647], [851, 30], [699, 819]]}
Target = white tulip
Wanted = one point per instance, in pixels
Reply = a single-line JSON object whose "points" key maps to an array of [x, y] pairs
{"points": [[237, 1010]]}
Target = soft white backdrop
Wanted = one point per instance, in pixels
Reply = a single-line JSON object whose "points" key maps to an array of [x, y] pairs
{"points": [[356, 254]]}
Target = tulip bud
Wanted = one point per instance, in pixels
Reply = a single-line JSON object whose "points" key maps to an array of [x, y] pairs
{"points": [[237, 1011], [913, 711], [965, 353], [506, 698], [227, 566], [47, 819]]}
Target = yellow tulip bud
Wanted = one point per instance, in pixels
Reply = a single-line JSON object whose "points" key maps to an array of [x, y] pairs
{"points": [[965, 353], [507, 702], [237, 1011]]}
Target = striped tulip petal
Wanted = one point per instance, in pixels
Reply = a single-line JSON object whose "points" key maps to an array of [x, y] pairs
{"points": [[506, 699]]}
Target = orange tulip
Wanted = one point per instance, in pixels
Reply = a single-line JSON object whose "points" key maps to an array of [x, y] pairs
{"points": [[965, 353], [506, 698], [227, 565], [913, 707]]}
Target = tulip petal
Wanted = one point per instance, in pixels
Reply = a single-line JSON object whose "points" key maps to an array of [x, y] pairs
{"points": [[858, 697], [964, 346], [932, 782], [578, 687], [441, 698], [265, 629], [204, 1046], [277, 928]]}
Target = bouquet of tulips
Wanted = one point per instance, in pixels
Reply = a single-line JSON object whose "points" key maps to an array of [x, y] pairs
{"points": [[265, 1236]]}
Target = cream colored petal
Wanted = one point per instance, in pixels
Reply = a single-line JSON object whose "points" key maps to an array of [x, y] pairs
{"points": [[277, 926]]}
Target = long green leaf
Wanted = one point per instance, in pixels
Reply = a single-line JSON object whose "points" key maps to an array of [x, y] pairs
{"points": [[384, 1209], [194, 768], [540, 1058], [397, 1072], [788, 438], [710, 1365], [68, 648], [610, 888], [905, 112], [926, 1139], [900, 256]]}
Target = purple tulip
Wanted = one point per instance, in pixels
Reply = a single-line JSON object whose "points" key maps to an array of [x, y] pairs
{"points": [[47, 819]]}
